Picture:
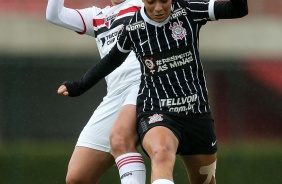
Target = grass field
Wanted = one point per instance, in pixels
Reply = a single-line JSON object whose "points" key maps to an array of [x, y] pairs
{"points": [[30, 162]]}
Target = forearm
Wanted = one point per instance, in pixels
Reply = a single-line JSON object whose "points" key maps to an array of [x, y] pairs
{"points": [[230, 9], [68, 18], [108, 64]]}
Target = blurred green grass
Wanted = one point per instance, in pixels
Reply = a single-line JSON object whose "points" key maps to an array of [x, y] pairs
{"points": [[244, 162]]}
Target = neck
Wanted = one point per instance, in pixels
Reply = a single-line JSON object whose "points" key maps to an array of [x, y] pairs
{"points": [[116, 2]]}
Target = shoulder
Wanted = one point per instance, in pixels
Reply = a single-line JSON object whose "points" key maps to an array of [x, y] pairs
{"points": [[134, 2], [134, 23], [91, 10], [188, 2], [131, 5]]}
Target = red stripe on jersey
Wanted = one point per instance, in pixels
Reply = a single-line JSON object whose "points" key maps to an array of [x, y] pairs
{"points": [[129, 10], [98, 22]]}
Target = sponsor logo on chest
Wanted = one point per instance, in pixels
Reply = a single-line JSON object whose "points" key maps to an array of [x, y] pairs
{"points": [[174, 59], [109, 39], [135, 26], [178, 13]]}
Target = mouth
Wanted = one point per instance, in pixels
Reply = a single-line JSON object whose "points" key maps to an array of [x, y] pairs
{"points": [[159, 17]]}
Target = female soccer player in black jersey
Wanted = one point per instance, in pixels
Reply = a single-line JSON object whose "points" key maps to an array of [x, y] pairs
{"points": [[173, 109]]}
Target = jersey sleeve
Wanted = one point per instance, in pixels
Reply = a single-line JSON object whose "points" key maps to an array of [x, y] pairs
{"points": [[204, 10], [68, 18], [230, 9], [103, 68], [124, 41], [200, 10], [87, 16]]}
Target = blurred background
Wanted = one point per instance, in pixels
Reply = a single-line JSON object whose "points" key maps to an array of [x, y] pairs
{"points": [[38, 128]]}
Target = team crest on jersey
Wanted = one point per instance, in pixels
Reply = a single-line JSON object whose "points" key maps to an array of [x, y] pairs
{"points": [[178, 32], [155, 118], [109, 20], [149, 63]]}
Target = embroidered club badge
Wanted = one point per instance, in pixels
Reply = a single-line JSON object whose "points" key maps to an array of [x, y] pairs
{"points": [[178, 32], [109, 20]]}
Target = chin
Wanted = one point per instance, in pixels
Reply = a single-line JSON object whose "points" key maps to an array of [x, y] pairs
{"points": [[159, 20], [115, 2]]}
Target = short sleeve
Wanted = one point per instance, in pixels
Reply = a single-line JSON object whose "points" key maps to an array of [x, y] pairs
{"points": [[124, 42], [201, 10]]}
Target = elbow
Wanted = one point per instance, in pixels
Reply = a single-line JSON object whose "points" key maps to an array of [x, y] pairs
{"points": [[53, 19], [242, 8], [49, 16], [242, 12], [245, 12]]}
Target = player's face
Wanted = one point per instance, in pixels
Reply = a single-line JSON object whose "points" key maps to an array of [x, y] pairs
{"points": [[116, 2], [158, 10]]}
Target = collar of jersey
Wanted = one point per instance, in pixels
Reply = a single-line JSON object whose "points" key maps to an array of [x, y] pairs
{"points": [[150, 21]]}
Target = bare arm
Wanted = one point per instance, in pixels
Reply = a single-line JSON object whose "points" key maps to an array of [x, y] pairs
{"points": [[68, 18]]}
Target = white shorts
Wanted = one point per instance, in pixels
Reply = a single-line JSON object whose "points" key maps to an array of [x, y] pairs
{"points": [[96, 133]]}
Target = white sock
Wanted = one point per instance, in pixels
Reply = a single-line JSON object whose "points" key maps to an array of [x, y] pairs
{"points": [[131, 168], [162, 181]]}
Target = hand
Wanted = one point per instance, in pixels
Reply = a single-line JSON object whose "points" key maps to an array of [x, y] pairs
{"points": [[63, 90]]}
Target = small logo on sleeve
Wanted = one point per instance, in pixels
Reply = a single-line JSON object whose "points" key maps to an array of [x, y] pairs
{"points": [[214, 143]]}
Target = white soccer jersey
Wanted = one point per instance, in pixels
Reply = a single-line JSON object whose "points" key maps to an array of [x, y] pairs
{"points": [[123, 83], [105, 24]]}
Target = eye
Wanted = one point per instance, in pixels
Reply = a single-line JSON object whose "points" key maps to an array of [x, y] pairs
{"points": [[150, 2]]}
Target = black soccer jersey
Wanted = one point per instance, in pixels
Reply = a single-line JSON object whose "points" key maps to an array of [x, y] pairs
{"points": [[172, 74], [172, 78]]}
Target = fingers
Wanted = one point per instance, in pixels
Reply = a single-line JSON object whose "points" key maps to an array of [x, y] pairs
{"points": [[63, 90]]}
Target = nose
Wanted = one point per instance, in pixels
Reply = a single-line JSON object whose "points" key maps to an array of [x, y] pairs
{"points": [[158, 7]]}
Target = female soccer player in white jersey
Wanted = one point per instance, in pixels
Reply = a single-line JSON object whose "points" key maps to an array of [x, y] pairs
{"points": [[173, 112], [92, 154]]}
